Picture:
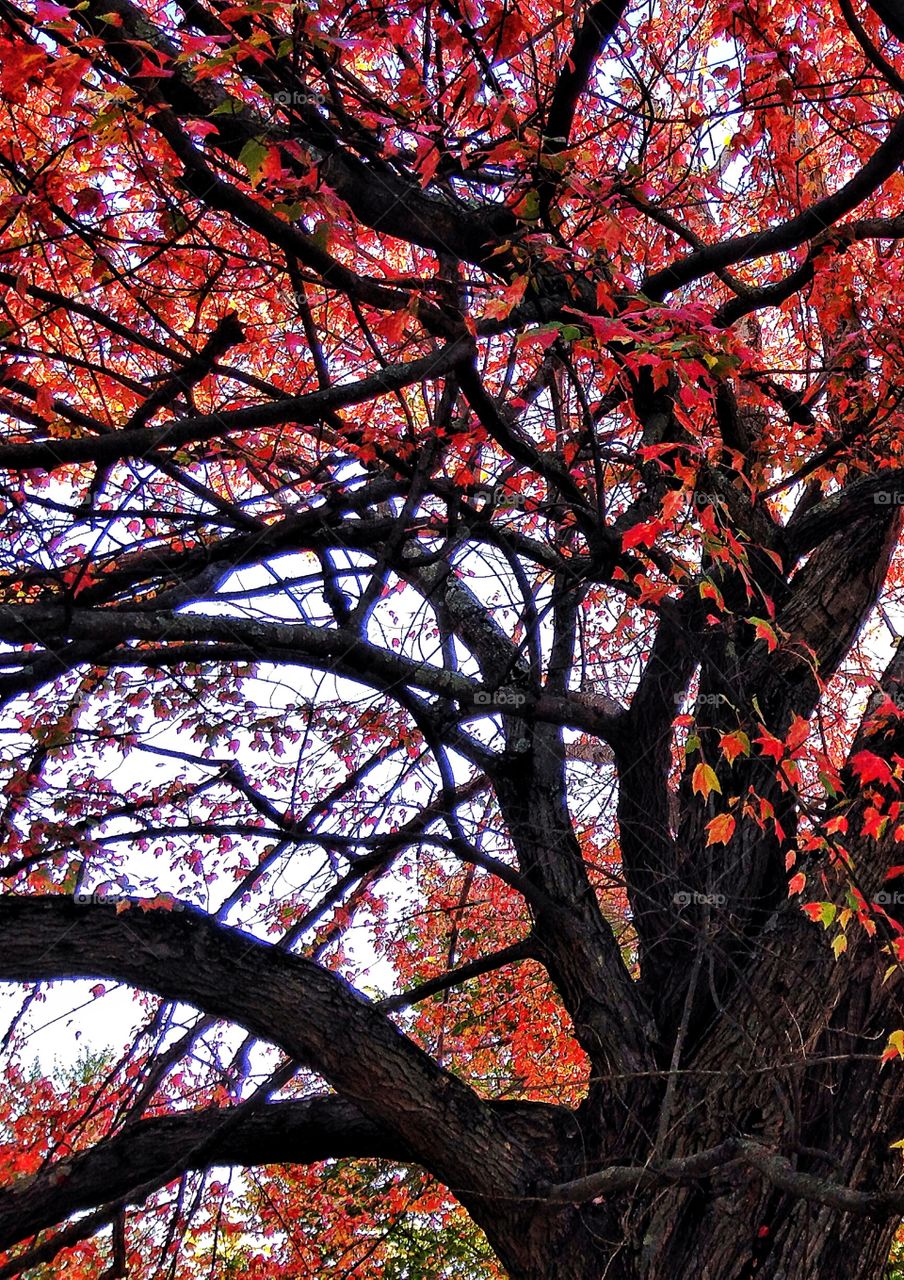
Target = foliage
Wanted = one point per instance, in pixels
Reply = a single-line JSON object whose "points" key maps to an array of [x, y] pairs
{"points": [[451, 485]]}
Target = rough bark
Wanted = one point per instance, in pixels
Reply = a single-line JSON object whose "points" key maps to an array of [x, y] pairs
{"points": [[737, 1120]]}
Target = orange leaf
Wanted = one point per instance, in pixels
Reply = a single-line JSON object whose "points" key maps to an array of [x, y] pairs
{"points": [[704, 781], [765, 631], [721, 829], [734, 745]]}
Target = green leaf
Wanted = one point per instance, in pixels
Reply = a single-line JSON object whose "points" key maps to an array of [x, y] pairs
{"points": [[320, 235], [828, 784], [252, 156], [827, 913], [529, 208], [228, 108]]}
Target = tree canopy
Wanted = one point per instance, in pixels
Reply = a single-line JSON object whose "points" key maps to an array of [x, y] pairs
{"points": [[451, 484]]}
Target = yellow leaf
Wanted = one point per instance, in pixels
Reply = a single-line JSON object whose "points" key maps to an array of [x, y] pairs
{"points": [[704, 781], [895, 1046]]}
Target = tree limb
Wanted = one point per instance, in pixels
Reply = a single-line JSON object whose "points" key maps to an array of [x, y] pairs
{"points": [[313, 1014]]}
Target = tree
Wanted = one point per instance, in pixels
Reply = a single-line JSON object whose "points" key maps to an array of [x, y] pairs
{"points": [[452, 499]]}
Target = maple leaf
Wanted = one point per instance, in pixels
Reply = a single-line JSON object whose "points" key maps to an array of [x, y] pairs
{"points": [[720, 829], [797, 733], [895, 1047], [765, 631], [870, 768], [874, 823], [709, 591], [734, 744], [796, 884], [46, 11], [823, 912], [642, 535], [705, 780], [770, 745]]}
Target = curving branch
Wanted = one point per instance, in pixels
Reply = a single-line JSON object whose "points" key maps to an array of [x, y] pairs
{"points": [[892, 14], [596, 29], [139, 441], [379, 196], [774, 1167], [313, 1014], [150, 1153], [879, 61], [811, 222]]}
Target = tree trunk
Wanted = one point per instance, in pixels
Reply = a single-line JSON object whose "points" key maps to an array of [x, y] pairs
{"points": [[734, 1226], [716, 1237], [790, 1061]]}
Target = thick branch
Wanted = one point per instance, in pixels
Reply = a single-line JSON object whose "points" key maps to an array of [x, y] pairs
{"points": [[811, 222], [302, 1132], [597, 28], [377, 194], [137, 443], [892, 14], [310, 1012], [231, 639]]}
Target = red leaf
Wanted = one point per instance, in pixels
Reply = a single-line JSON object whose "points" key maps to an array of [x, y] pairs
{"points": [[870, 768], [796, 884], [770, 745], [45, 11], [642, 535]]}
